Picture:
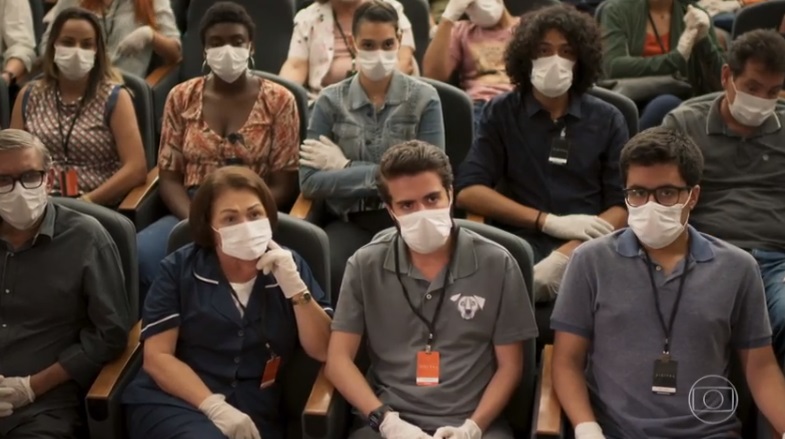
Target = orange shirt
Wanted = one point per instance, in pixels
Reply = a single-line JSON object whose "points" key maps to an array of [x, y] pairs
{"points": [[652, 48]]}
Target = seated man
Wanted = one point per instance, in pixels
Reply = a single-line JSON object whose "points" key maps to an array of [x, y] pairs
{"points": [[444, 311], [554, 148], [64, 311], [741, 135], [474, 47], [657, 310]]}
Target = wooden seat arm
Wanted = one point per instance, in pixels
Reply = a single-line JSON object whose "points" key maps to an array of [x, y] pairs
{"points": [[134, 198], [159, 73], [302, 207], [549, 415], [110, 374], [318, 403], [475, 218]]}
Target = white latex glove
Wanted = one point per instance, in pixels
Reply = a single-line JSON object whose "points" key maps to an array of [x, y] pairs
{"points": [[281, 264], [322, 154], [581, 227], [469, 430], [548, 274], [136, 41], [6, 409], [455, 9], [233, 423], [589, 430], [697, 19], [16, 391], [687, 42], [715, 7], [393, 427]]}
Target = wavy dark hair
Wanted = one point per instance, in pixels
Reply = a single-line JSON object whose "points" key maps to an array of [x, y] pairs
{"points": [[581, 32]]}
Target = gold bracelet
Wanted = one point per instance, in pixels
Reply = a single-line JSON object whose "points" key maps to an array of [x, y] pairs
{"points": [[85, 198]]}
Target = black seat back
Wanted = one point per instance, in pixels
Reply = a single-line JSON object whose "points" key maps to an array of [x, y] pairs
{"points": [[142, 97], [765, 15], [458, 115], [418, 12], [624, 104]]}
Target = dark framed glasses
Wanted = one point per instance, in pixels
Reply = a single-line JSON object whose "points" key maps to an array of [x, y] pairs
{"points": [[28, 180], [664, 195]]}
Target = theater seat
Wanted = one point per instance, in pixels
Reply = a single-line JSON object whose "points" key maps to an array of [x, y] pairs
{"points": [[5, 105]]}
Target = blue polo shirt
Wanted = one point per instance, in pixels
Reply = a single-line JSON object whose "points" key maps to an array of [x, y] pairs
{"points": [[223, 347], [606, 296], [513, 145]]}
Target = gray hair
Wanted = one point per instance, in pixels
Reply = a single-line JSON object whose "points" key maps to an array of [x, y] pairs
{"points": [[16, 139]]}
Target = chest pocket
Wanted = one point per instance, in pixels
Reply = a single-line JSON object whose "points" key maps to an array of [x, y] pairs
{"points": [[350, 137], [401, 129]]}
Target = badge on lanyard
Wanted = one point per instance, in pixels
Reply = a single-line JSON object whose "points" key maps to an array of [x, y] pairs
{"points": [[427, 368], [270, 371], [69, 182], [560, 149], [664, 381]]}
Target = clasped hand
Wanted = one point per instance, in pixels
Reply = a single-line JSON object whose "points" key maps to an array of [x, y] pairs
{"points": [[15, 392]]}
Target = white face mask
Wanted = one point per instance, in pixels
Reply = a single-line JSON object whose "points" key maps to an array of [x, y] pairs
{"points": [[228, 62], [655, 225], [247, 241], [751, 110], [377, 64], [74, 62], [426, 230], [552, 75], [485, 13], [21, 207]]}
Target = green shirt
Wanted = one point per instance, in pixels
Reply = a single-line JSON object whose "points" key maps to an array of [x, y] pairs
{"points": [[624, 33]]}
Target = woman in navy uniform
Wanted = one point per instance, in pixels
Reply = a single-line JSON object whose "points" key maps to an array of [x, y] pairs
{"points": [[223, 316]]}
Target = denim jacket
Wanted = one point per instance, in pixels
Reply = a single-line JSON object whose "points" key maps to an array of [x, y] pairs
{"points": [[343, 112]]}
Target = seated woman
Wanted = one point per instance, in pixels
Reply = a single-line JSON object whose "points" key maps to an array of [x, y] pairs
{"points": [[229, 117], [17, 39], [354, 122], [133, 31], [644, 38], [82, 113], [322, 53], [225, 314]]}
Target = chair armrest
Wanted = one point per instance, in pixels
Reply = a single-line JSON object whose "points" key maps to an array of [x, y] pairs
{"points": [[302, 207], [321, 394], [134, 198], [110, 374], [549, 413], [325, 413], [475, 218], [159, 73]]}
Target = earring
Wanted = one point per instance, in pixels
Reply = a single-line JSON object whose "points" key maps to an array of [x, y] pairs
{"points": [[204, 66], [252, 62]]}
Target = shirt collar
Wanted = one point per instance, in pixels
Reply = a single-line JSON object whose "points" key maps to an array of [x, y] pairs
{"points": [[715, 124], [627, 245], [464, 262], [396, 93], [532, 106]]}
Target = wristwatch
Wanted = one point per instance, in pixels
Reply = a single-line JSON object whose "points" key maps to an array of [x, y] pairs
{"points": [[301, 298], [376, 417]]}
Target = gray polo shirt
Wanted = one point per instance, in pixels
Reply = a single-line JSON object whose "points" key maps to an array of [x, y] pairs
{"points": [[486, 304], [606, 296], [743, 186], [62, 299]]}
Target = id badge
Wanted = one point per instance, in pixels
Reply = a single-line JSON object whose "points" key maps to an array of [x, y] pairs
{"points": [[427, 368], [560, 149], [664, 382], [270, 372], [69, 183]]}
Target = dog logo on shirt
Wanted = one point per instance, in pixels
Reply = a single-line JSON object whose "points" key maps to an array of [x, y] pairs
{"points": [[468, 305]]}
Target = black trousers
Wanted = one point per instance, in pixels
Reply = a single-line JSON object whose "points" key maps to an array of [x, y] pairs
{"points": [[33, 423]]}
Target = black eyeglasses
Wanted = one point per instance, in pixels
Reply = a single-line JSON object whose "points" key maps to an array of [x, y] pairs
{"points": [[28, 180], [664, 195]]}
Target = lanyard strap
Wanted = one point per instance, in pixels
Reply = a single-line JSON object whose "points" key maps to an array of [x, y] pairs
{"points": [[66, 137], [343, 36], [109, 27], [430, 324], [263, 302], [656, 34], [669, 328]]}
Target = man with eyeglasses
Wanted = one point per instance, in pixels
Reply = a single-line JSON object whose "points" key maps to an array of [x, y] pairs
{"points": [[657, 309], [741, 135], [64, 310]]}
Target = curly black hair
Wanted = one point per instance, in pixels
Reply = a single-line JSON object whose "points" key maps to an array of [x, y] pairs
{"points": [[226, 12], [581, 32]]}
